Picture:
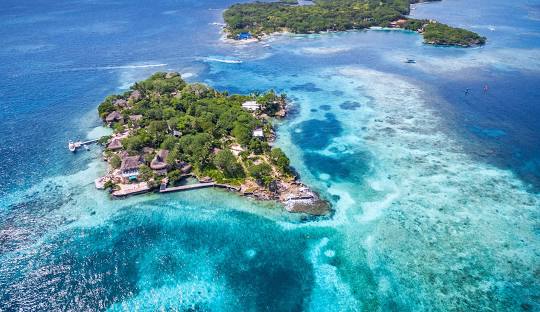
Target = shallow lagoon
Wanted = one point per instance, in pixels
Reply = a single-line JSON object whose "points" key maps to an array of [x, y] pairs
{"points": [[432, 212]]}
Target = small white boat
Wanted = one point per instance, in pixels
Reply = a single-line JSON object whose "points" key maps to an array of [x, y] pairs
{"points": [[73, 146]]}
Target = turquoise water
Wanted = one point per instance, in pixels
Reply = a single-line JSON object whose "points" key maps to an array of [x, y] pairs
{"points": [[435, 192]]}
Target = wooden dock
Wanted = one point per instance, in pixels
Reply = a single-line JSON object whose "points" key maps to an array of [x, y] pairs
{"points": [[89, 142], [196, 186], [186, 187], [73, 146], [228, 187]]}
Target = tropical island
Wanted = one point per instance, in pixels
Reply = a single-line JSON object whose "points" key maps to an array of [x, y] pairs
{"points": [[169, 135], [258, 19]]}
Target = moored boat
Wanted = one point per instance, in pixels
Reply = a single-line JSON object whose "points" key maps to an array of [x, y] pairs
{"points": [[72, 147]]}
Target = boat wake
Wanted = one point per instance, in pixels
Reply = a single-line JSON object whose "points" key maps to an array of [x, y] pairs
{"points": [[112, 67], [131, 66], [220, 60]]}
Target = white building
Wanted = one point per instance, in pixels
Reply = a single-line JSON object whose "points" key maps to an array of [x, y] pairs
{"points": [[258, 133], [251, 106]]}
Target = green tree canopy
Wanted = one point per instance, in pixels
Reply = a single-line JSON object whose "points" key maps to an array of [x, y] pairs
{"points": [[226, 161], [115, 161], [261, 172], [279, 158]]}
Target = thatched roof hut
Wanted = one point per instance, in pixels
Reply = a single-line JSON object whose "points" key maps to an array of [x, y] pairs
{"points": [[135, 95], [121, 103], [160, 160], [186, 168], [113, 116], [115, 144], [130, 163], [135, 118]]}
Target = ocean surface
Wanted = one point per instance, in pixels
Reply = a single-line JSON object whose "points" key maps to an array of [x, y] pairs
{"points": [[436, 192]]}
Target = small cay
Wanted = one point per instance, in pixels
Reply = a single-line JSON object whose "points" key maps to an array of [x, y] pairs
{"points": [[169, 134]]}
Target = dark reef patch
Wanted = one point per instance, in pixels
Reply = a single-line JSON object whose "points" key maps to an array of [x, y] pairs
{"points": [[316, 134], [349, 105], [308, 87], [351, 167]]}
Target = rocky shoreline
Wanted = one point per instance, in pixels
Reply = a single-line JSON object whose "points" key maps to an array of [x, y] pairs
{"points": [[295, 196]]}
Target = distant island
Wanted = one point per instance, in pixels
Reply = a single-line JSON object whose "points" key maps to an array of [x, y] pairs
{"points": [[170, 135], [255, 20]]}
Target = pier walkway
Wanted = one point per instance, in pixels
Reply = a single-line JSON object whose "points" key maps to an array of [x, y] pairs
{"points": [[89, 142], [73, 146], [196, 186], [186, 187]]}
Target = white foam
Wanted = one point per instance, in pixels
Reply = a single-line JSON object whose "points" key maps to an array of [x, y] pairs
{"points": [[29, 48], [187, 75], [170, 12], [324, 176], [330, 253], [330, 292], [250, 253], [129, 74], [222, 60], [181, 296], [373, 210], [134, 66], [324, 50]]}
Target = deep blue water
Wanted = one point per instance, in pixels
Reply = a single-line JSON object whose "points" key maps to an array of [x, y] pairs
{"points": [[435, 191]]}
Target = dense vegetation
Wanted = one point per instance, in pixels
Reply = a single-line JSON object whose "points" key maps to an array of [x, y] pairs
{"points": [[437, 33], [261, 18], [198, 125]]}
